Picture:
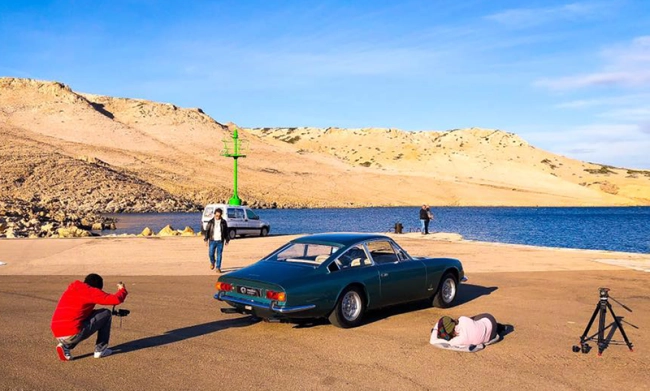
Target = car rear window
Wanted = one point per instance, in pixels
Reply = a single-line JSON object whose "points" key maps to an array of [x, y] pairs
{"points": [[314, 254]]}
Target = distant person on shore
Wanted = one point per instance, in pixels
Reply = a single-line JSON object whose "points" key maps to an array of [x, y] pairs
{"points": [[216, 236], [430, 215], [75, 318], [425, 219]]}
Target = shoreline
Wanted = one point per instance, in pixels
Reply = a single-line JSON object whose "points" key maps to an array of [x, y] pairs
{"points": [[410, 235], [187, 255]]}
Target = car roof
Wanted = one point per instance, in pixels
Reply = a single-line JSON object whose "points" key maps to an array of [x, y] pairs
{"points": [[340, 238]]}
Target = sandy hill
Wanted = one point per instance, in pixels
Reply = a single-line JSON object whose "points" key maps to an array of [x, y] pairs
{"points": [[119, 154]]}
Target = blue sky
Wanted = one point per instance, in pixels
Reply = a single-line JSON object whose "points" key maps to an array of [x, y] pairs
{"points": [[570, 77]]}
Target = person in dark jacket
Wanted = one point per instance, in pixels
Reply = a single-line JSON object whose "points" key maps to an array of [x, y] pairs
{"points": [[215, 236], [425, 218], [75, 318]]}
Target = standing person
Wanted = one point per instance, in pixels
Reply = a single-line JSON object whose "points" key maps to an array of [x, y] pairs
{"points": [[216, 235], [75, 318], [430, 215], [424, 219]]}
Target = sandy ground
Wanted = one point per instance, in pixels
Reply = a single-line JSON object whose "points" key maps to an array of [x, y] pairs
{"points": [[176, 338]]}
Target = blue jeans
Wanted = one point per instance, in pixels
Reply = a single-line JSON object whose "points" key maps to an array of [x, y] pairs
{"points": [[218, 246], [425, 226]]}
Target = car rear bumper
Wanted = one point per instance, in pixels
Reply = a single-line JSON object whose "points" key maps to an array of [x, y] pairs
{"points": [[253, 306]]}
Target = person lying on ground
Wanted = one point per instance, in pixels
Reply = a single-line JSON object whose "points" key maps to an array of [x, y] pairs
{"points": [[475, 331], [75, 318]]}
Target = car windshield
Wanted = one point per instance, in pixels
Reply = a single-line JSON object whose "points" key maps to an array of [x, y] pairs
{"points": [[311, 253]]}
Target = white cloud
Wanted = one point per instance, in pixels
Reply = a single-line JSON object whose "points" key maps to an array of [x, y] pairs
{"points": [[628, 114], [624, 145], [529, 17], [623, 65], [621, 100]]}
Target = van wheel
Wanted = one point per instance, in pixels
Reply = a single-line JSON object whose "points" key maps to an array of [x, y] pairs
{"points": [[232, 233], [264, 231]]}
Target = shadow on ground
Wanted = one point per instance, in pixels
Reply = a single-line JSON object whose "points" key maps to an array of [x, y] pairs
{"points": [[467, 293], [182, 334]]}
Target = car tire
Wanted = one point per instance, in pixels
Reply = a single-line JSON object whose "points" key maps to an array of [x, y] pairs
{"points": [[447, 291], [264, 231], [232, 234], [349, 310]]}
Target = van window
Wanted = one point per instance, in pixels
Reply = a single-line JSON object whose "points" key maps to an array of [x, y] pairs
{"points": [[235, 213], [208, 212], [251, 215]]}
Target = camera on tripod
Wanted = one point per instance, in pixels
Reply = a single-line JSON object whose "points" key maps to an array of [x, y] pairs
{"points": [[604, 293], [601, 312]]}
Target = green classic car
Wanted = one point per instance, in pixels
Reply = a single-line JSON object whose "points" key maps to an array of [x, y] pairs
{"points": [[338, 276]]}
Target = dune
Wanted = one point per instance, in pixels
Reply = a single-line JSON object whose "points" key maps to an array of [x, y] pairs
{"points": [[113, 147]]}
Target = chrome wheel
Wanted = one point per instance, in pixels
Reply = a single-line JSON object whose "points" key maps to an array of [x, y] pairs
{"points": [[351, 306], [448, 290]]}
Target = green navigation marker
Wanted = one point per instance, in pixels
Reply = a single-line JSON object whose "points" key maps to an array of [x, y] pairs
{"points": [[234, 151]]}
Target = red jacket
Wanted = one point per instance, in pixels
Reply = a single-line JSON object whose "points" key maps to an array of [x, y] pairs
{"points": [[76, 305]]}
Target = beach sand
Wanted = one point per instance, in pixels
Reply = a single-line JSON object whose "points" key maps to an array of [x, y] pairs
{"points": [[176, 337]]}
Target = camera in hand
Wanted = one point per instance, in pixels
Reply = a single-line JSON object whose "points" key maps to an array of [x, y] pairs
{"points": [[120, 312]]}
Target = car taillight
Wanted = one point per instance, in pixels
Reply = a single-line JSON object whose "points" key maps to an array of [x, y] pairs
{"points": [[277, 296], [223, 286]]}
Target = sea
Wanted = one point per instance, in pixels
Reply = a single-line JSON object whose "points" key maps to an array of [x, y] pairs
{"points": [[599, 228]]}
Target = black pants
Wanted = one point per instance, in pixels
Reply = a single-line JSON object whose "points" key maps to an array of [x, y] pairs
{"points": [[495, 325], [98, 322], [426, 226]]}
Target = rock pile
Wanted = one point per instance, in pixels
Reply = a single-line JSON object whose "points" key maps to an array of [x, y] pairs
{"points": [[34, 219]]}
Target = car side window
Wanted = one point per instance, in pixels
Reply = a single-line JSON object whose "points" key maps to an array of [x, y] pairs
{"points": [[251, 215], [354, 257], [231, 213], [381, 251], [239, 213]]}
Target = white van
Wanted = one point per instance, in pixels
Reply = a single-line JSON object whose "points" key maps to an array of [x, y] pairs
{"points": [[241, 220]]}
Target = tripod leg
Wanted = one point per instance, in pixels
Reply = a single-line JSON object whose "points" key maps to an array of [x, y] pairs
{"points": [[620, 327], [601, 328], [591, 322]]}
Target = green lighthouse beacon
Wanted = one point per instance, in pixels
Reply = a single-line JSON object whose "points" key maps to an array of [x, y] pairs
{"points": [[234, 149]]}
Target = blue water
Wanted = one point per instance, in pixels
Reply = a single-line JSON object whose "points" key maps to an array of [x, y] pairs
{"points": [[616, 229]]}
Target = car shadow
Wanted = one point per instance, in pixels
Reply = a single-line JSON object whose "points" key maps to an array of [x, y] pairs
{"points": [[181, 334], [467, 293], [470, 292]]}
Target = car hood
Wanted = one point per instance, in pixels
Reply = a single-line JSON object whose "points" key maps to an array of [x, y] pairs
{"points": [[272, 272]]}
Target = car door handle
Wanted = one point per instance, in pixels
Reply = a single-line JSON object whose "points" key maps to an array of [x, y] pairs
{"points": [[383, 275]]}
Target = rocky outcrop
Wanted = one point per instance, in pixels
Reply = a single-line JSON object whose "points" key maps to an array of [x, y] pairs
{"points": [[188, 231], [167, 231], [146, 232], [34, 218], [80, 185]]}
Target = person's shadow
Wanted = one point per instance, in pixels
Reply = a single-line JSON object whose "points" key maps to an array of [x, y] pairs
{"points": [[182, 334]]}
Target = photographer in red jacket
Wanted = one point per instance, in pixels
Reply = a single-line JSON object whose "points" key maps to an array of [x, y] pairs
{"points": [[75, 318]]}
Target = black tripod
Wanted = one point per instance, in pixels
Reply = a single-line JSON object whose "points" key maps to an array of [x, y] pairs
{"points": [[601, 308]]}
